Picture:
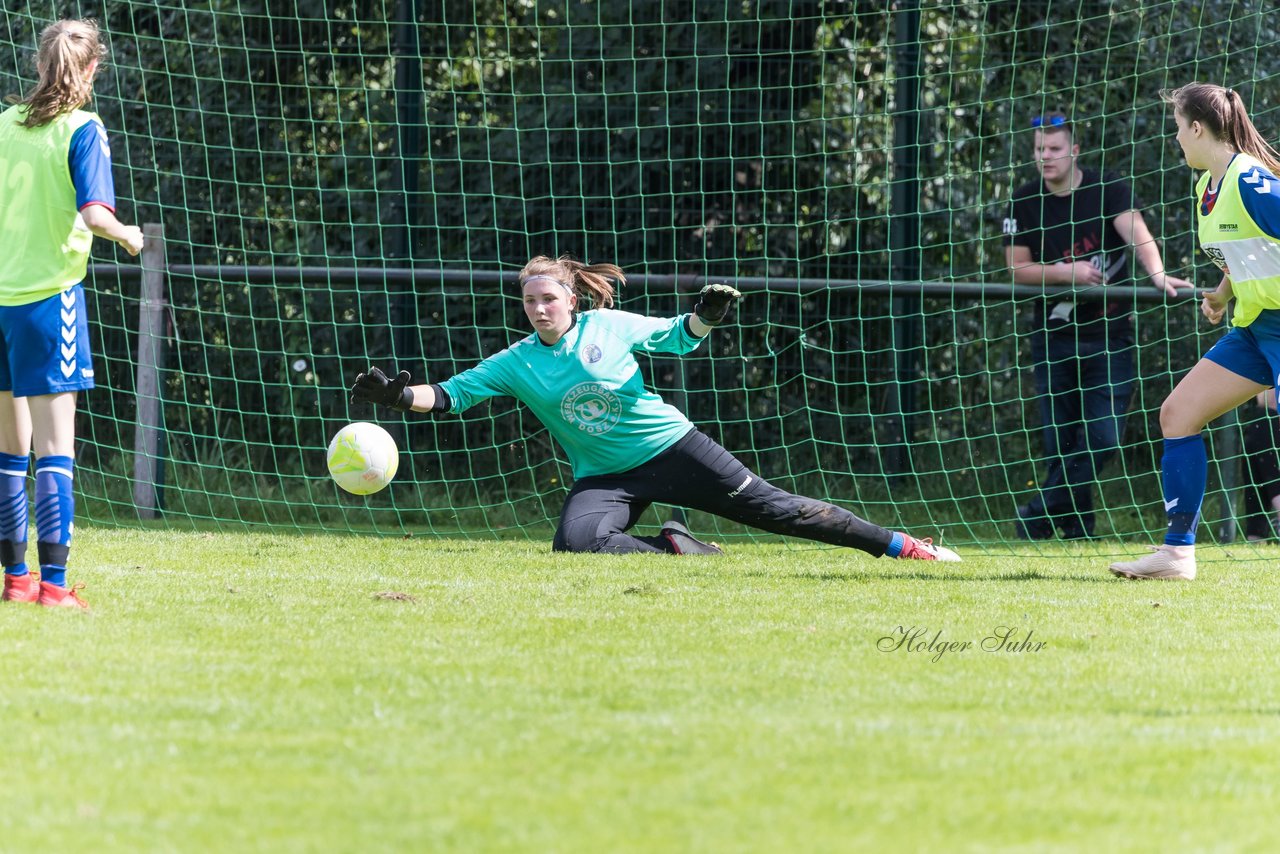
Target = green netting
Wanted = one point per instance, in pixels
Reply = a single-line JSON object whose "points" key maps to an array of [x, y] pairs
{"points": [[356, 182]]}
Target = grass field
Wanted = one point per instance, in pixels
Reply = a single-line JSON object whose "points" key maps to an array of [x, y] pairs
{"points": [[235, 692]]}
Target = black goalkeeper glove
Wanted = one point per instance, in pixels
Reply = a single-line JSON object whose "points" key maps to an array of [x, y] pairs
{"points": [[375, 387], [715, 302]]}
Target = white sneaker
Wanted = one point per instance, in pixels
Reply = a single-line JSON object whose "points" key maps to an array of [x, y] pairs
{"points": [[1171, 563]]}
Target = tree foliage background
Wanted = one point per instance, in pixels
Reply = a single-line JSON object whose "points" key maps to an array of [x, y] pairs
{"points": [[708, 140]]}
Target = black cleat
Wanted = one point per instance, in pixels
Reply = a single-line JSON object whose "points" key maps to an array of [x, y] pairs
{"points": [[1032, 525], [685, 543]]}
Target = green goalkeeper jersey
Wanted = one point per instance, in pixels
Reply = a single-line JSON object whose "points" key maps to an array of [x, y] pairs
{"points": [[587, 388]]}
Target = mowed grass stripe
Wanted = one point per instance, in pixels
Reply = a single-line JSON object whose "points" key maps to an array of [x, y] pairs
{"points": [[303, 693]]}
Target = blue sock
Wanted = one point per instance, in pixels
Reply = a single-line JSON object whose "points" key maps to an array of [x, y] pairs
{"points": [[55, 509], [895, 545], [1184, 470], [13, 513]]}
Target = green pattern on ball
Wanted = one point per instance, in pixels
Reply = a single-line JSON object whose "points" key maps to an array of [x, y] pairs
{"points": [[346, 456]]}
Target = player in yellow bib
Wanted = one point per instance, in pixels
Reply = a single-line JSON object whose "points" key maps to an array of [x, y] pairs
{"points": [[55, 168], [1238, 217]]}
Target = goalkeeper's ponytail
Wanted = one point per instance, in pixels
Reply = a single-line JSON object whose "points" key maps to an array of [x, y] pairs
{"points": [[591, 282]]}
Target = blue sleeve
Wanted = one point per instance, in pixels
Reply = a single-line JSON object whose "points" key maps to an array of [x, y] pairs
{"points": [[653, 334], [90, 162], [1261, 194], [473, 385]]}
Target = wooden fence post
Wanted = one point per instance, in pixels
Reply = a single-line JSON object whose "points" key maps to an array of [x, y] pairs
{"points": [[148, 465]]}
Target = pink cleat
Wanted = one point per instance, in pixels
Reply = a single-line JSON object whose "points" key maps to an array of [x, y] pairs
{"points": [[53, 596], [914, 549], [21, 588]]}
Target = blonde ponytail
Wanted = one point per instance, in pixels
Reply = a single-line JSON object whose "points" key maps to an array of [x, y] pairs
{"points": [[67, 50]]}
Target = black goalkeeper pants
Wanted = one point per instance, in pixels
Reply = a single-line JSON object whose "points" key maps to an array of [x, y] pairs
{"points": [[698, 474]]}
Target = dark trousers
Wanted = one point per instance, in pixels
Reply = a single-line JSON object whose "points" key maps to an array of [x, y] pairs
{"points": [[1262, 471], [1084, 388], [697, 473]]}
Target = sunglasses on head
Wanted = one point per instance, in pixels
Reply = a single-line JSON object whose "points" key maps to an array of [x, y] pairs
{"points": [[1051, 121]]}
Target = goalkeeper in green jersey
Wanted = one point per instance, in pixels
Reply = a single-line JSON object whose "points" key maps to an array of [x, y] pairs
{"points": [[629, 449]]}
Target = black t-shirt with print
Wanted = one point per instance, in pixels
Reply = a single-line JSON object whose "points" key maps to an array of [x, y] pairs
{"points": [[1078, 227]]}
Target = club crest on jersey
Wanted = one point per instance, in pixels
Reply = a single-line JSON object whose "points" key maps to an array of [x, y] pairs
{"points": [[1216, 256], [592, 408], [592, 354]]}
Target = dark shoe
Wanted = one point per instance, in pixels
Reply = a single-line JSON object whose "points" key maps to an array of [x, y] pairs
{"points": [[1076, 526], [1258, 529], [1031, 525], [1076, 532], [685, 543]]}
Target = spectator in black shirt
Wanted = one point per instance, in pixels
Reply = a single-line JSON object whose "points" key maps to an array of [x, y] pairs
{"points": [[1076, 227], [1261, 468]]}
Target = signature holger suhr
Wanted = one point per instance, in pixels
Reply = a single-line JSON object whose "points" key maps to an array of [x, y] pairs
{"points": [[935, 645]]}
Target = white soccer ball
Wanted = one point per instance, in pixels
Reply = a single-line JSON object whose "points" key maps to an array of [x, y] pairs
{"points": [[363, 458]]}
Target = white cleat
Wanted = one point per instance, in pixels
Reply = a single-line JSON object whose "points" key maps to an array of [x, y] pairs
{"points": [[1169, 563], [944, 554], [914, 549]]}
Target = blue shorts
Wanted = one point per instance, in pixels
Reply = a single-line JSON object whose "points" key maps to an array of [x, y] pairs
{"points": [[44, 346], [1252, 351]]}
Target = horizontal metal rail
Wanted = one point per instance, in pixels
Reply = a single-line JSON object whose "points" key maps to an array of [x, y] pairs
{"points": [[278, 275]]}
